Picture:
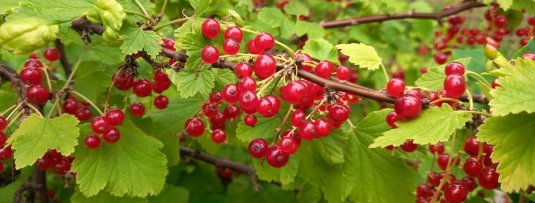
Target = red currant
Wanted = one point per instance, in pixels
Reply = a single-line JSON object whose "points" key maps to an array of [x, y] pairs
{"points": [[3, 138], [323, 127], [243, 70], [472, 166], [122, 80], [343, 73], [70, 106], [92, 142], [209, 109], [258, 148], [455, 192], [44, 163], [112, 136], [264, 41], [338, 113], [5, 153], [391, 119], [231, 46], [234, 33], [137, 109], [3, 123], [37, 94], [161, 102], [424, 191], [33, 63], [298, 118], [142, 87], [115, 117], [276, 157], [265, 66], [218, 121], [52, 54], [488, 178], [219, 136], [471, 146], [324, 69], [442, 161], [287, 145], [293, 92], [83, 114], [231, 93], [395, 87], [231, 112], [470, 183], [441, 58], [247, 83], [161, 77], [252, 47], [307, 130], [408, 146], [248, 101], [454, 68], [100, 124], [210, 28], [209, 54], [168, 43], [408, 106], [437, 149], [216, 97], [194, 127], [304, 58], [250, 120], [31, 76]]}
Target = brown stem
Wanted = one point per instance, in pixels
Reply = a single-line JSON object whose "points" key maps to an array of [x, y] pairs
{"points": [[63, 58], [412, 15]]}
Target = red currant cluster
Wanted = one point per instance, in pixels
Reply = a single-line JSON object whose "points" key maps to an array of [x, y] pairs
{"points": [[5, 151], [32, 75], [52, 159], [79, 109], [525, 33], [104, 126]]}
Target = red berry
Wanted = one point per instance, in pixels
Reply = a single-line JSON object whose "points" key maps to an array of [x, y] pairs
{"points": [[276, 105], [250, 120], [142, 87], [70, 106], [210, 28], [424, 191], [122, 80], [219, 136], [112, 136], [243, 70], [391, 119], [324, 69], [37, 94], [265, 66], [472, 166], [247, 83], [83, 114], [531, 21], [471, 146], [437, 149], [137, 109], [92, 141], [454, 85], [307, 130], [168, 43], [323, 127], [433, 178], [276, 157], [408, 106], [231, 93], [161, 102], [248, 101], [528, 55], [441, 58], [100, 124], [297, 118], [234, 33], [252, 47], [3, 123], [395, 87], [500, 21], [304, 58], [216, 97], [115, 117], [264, 41], [442, 161], [293, 92], [231, 112], [33, 63], [44, 163], [455, 192], [209, 54], [161, 77], [31, 76], [339, 113], [5, 153], [3, 138], [488, 178], [231, 46], [194, 127], [342, 73], [287, 145], [257, 148], [408, 146], [209, 109], [52, 54], [34, 55], [495, 83], [454, 68], [218, 121]]}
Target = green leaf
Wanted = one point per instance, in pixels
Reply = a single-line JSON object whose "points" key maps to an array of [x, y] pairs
{"points": [[24, 35], [505, 4], [528, 6], [189, 38], [321, 49], [86, 82], [265, 128], [514, 149], [477, 58], [8, 191], [36, 135], [288, 28], [110, 13], [223, 77], [53, 12], [312, 30], [171, 194], [131, 5], [432, 126], [136, 40], [296, 8], [134, 166], [434, 78], [331, 148], [362, 55], [517, 91], [104, 197], [530, 47], [207, 8], [284, 175], [271, 16], [190, 83], [8, 5]]}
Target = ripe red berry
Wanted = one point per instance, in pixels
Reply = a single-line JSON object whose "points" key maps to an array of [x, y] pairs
{"points": [[168, 43], [454, 85], [257, 148], [234, 33], [391, 119], [231, 112], [209, 54], [137, 109], [488, 178], [161, 77], [288, 145], [33, 63], [247, 83], [338, 113], [37, 94], [408, 146], [92, 141], [323, 127], [194, 127], [142, 87], [293, 92], [324, 69], [297, 118], [500, 21], [472, 166], [219, 136], [100, 124], [44, 163], [304, 58], [31, 76], [433, 178], [115, 117], [231, 93], [161, 102], [216, 97], [342, 73], [52, 54], [442, 161], [437, 149], [3, 123], [248, 101], [250, 120], [209, 109], [264, 41], [395, 87], [34, 55], [112, 136], [243, 70], [83, 114], [408, 106], [454, 68], [252, 47], [231, 46], [210, 28], [307, 130], [5, 153], [276, 157], [441, 58], [3, 138], [70, 106], [122, 80], [470, 183], [265, 66], [471, 146], [455, 192], [275, 106], [218, 121]]}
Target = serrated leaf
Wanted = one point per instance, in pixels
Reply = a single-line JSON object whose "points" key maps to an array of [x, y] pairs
{"points": [[189, 38], [134, 166], [190, 83], [362, 55], [284, 175], [271, 16], [288, 28], [514, 149], [530, 47], [321, 49], [312, 30], [517, 91], [110, 13], [207, 8], [24, 35], [505, 4], [53, 12], [104, 197], [296, 8], [36, 135], [85, 79], [264, 128], [331, 148], [136, 40], [131, 5], [435, 76], [432, 126], [223, 77]]}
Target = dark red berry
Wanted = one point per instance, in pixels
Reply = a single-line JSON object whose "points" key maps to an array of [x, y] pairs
{"points": [[250, 120], [44, 163], [264, 41], [324, 69], [231, 46], [265, 66], [252, 47], [298, 118], [441, 58], [70, 106], [424, 191], [31, 76], [472, 166], [92, 141], [307, 130], [257, 148], [100, 124], [338, 113], [234, 33], [488, 178], [243, 70], [3, 138], [37, 94], [437, 149], [276, 157], [218, 121], [455, 192], [161, 77], [112, 136], [83, 114], [288, 145], [343, 73], [323, 127], [161, 102], [209, 109], [231, 112], [209, 54], [216, 97], [442, 161], [395, 87], [194, 127], [142, 87], [210, 28], [5, 153], [219, 136], [115, 117], [52, 54], [3, 123], [231, 93], [408, 106], [168, 43], [137, 109], [122, 80], [391, 119], [408, 146], [471, 146]]}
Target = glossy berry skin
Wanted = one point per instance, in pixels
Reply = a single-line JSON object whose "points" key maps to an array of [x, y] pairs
{"points": [[44, 163], [112, 136], [92, 141], [251, 46], [234, 33], [137, 109], [258, 148], [52, 54], [324, 69], [209, 109], [472, 166], [408, 146], [408, 106], [471, 146], [424, 191], [83, 114], [231, 46], [265, 66], [488, 178], [168, 43], [395, 87], [297, 118], [218, 121], [216, 97], [264, 107], [454, 68], [437, 149], [161, 102], [142, 87], [454, 85], [264, 41], [247, 83], [194, 127], [276, 105], [323, 127], [100, 124], [250, 120], [441, 58], [209, 54], [338, 113], [231, 93], [219, 136], [391, 119], [307, 130], [33, 63], [243, 70], [288, 145], [210, 28], [433, 178], [455, 192], [70, 106], [231, 112], [248, 101], [3, 138], [293, 92], [123, 81], [5, 153], [3, 123], [31, 76], [343, 73], [115, 117], [37, 94], [442, 161], [160, 77], [276, 157]]}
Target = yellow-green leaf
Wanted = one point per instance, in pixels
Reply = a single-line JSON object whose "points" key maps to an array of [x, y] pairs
{"points": [[24, 35], [517, 91], [362, 55]]}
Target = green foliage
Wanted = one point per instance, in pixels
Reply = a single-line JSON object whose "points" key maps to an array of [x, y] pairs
{"points": [[52, 12], [23, 35], [434, 78], [36, 135], [109, 13], [515, 94], [312, 30], [321, 49], [362, 55], [284, 175], [136, 40], [265, 128], [190, 83]]}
